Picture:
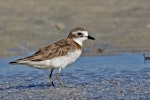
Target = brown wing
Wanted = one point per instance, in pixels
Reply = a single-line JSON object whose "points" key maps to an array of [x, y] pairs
{"points": [[59, 48]]}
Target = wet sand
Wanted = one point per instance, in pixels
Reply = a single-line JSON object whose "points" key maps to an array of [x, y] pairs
{"points": [[116, 77], [119, 26]]}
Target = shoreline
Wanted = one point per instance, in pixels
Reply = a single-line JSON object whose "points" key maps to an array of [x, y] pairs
{"points": [[87, 53]]}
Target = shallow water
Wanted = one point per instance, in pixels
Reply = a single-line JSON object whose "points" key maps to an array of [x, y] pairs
{"points": [[115, 77]]}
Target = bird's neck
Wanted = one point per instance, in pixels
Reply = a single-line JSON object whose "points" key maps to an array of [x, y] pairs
{"points": [[78, 41]]}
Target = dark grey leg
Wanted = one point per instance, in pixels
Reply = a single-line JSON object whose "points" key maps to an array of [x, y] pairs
{"points": [[50, 78], [58, 78]]}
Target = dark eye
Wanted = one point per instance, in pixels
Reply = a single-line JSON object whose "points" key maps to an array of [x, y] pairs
{"points": [[79, 33]]}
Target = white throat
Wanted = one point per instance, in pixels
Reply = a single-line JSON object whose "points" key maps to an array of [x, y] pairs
{"points": [[79, 40]]}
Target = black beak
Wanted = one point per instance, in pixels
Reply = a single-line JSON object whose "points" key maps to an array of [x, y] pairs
{"points": [[90, 37]]}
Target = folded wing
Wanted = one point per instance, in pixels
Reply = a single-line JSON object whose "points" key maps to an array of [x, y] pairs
{"points": [[56, 49]]}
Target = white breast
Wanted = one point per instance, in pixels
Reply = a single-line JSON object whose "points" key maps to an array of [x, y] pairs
{"points": [[57, 62]]}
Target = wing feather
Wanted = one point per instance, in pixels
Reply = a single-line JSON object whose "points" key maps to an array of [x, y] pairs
{"points": [[56, 49]]}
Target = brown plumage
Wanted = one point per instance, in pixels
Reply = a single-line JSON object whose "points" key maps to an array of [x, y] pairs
{"points": [[59, 48]]}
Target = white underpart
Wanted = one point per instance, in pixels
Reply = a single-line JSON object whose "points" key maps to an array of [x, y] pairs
{"points": [[57, 62], [81, 39]]}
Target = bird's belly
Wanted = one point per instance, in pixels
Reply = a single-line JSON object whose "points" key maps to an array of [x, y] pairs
{"points": [[57, 62], [63, 61]]}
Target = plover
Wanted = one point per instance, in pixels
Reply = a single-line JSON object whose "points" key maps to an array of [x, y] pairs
{"points": [[59, 54]]}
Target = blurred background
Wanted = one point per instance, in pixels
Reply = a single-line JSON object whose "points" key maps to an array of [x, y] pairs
{"points": [[117, 25]]}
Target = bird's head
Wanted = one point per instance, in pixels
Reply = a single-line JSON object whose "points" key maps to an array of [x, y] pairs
{"points": [[79, 35]]}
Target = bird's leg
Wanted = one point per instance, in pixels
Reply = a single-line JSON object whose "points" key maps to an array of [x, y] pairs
{"points": [[50, 78], [58, 78]]}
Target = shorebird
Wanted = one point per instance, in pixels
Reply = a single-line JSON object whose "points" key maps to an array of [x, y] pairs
{"points": [[59, 54]]}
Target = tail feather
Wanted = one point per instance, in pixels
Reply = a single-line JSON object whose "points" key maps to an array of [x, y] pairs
{"points": [[13, 62], [19, 61]]}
